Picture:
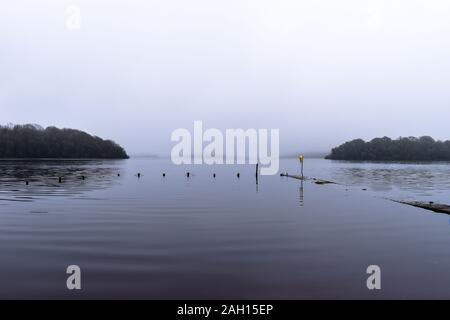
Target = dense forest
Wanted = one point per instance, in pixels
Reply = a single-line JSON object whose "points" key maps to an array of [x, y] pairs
{"points": [[386, 149], [33, 141]]}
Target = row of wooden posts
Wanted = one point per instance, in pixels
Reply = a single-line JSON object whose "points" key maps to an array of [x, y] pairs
{"points": [[188, 173]]}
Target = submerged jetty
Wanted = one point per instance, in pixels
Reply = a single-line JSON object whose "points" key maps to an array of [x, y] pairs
{"points": [[315, 180], [431, 206]]}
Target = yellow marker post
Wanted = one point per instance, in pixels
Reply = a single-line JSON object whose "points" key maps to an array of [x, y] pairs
{"points": [[301, 158]]}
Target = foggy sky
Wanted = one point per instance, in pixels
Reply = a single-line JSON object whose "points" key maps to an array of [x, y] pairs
{"points": [[323, 72]]}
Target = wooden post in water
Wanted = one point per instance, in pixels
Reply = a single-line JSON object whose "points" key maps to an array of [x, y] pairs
{"points": [[256, 174], [301, 158]]}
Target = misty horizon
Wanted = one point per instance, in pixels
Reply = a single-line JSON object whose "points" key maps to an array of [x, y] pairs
{"points": [[286, 154], [322, 73]]}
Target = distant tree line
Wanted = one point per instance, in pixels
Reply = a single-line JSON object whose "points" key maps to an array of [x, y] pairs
{"points": [[33, 141], [386, 149]]}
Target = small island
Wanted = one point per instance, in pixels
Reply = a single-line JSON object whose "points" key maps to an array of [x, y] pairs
{"points": [[33, 141], [386, 149]]}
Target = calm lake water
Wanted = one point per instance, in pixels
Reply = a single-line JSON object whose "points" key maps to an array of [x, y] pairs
{"points": [[227, 238]]}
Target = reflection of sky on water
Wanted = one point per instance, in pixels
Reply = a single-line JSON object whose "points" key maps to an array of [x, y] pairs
{"points": [[416, 181], [199, 237], [410, 180], [43, 177], [395, 180]]}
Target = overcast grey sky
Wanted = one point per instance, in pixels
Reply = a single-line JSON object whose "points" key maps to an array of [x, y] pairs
{"points": [[321, 71]]}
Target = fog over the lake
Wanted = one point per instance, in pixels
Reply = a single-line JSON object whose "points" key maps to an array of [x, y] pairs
{"points": [[323, 72]]}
